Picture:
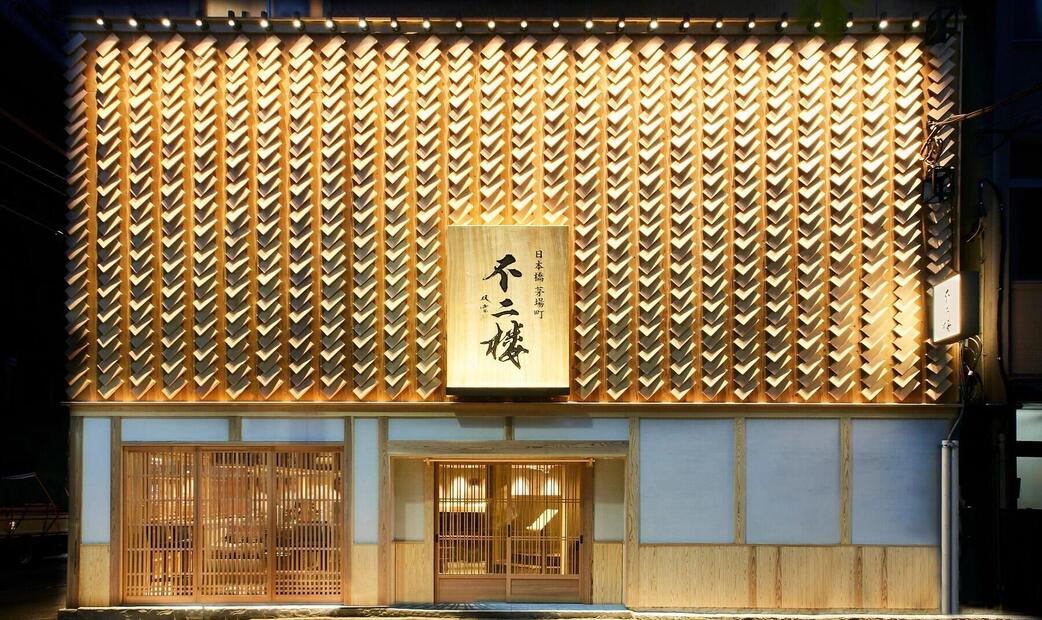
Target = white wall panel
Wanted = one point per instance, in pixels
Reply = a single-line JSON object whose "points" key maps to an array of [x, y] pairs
{"points": [[446, 429], [293, 430], [686, 481], [571, 429], [175, 429], [792, 481], [408, 499], [896, 481], [609, 499], [366, 476], [97, 480]]}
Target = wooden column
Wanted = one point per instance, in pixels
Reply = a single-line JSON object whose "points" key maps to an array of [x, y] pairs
{"points": [[75, 511], [631, 551], [116, 512], [385, 561]]}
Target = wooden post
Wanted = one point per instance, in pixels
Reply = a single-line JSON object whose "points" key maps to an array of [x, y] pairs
{"points": [[631, 550], [385, 560], [116, 511], [75, 511]]}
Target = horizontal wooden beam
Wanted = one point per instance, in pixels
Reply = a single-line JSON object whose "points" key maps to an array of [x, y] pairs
{"points": [[275, 409], [507, 449]]}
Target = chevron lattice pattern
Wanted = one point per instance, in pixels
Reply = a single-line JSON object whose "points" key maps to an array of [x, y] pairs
{"points": [[262, 217]]}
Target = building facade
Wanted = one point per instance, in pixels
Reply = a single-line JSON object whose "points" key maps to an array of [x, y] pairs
{"points": [[261, 302]]}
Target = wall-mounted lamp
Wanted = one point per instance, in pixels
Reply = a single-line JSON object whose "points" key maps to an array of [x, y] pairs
{"points": [[955, 313]]}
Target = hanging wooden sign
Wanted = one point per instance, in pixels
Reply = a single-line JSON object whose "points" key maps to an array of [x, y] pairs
{"points": [[507, 309]]}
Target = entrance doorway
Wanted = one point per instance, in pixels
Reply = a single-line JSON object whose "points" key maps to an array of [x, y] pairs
{"points": [[512, 532]]}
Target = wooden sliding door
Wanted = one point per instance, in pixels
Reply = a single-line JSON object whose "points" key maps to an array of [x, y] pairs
{"points": [[511, 532], [232, 525]]}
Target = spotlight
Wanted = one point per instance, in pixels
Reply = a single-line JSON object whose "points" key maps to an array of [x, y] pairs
{"points": [[426, 24], [491, 24], [685, 24], [100, 20], [459, 25], [363, 24], [751, 24], [299, 25], [883, 21], [653, 24], [232, 22], [621, 25], [264, 22], [815, 25], [718, 25], [133, 22], [395, 26], [784, 22], [850, 21], [588, 25], [165, 21], [201, 24], [915, 23], [523, 25], [555, 25]]}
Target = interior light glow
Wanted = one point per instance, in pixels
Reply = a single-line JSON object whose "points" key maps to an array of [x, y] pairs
{"points": [[653, 24], [588, 25], [542, 520], [426, 24]]}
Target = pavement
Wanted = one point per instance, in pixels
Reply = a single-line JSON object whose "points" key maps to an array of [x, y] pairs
{"points": [[35, 592]]}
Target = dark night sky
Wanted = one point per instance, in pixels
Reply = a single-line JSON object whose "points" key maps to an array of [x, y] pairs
{"points": [[32, 162]]}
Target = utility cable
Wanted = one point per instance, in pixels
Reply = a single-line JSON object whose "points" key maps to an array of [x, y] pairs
{"points": [[32, 178], [32, 220]]}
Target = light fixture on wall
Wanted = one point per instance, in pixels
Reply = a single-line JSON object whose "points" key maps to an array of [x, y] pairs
{"points": [[882, 23], [814, 25], [459, 25], [232, 22], [685, 24], [523, 25], [621, 24], [101, 21], [395, 26], [166, 22], [750, 24], [201, 23], [955, 313], [718, 25], [491, 25], [426, 24], [783, 23], [850, 21], [363, 24], [915, 23], [588, 24], [264, 22], [298, 24], [133, 22], [555, 25], [653, 24], [331, 24]]}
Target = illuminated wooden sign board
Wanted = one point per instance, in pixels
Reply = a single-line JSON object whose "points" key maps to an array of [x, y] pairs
{"points": [[507, 307], [955, 313]]}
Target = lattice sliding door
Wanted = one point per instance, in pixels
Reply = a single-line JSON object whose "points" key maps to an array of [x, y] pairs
{"points": [[233, 525], [159, 525]]}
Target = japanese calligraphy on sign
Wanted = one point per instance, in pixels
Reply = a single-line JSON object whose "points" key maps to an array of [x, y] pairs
{"points": [[507, 309]]}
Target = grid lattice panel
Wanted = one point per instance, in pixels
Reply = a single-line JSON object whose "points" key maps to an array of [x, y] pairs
{"points": [[233, 525]]}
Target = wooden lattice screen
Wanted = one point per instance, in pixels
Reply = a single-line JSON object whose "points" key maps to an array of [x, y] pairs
{"points": [[254, 524], [501, 525], [259, 217]]}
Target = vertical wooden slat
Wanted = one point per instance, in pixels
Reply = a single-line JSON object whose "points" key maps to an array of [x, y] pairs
{"points": [[631, 535], [72, 569], [739, 481], [116, 511]]}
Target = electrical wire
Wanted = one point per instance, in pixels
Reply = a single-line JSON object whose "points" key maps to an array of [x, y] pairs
{"points": [[32, 220], [33, 163], [32, 178]]}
